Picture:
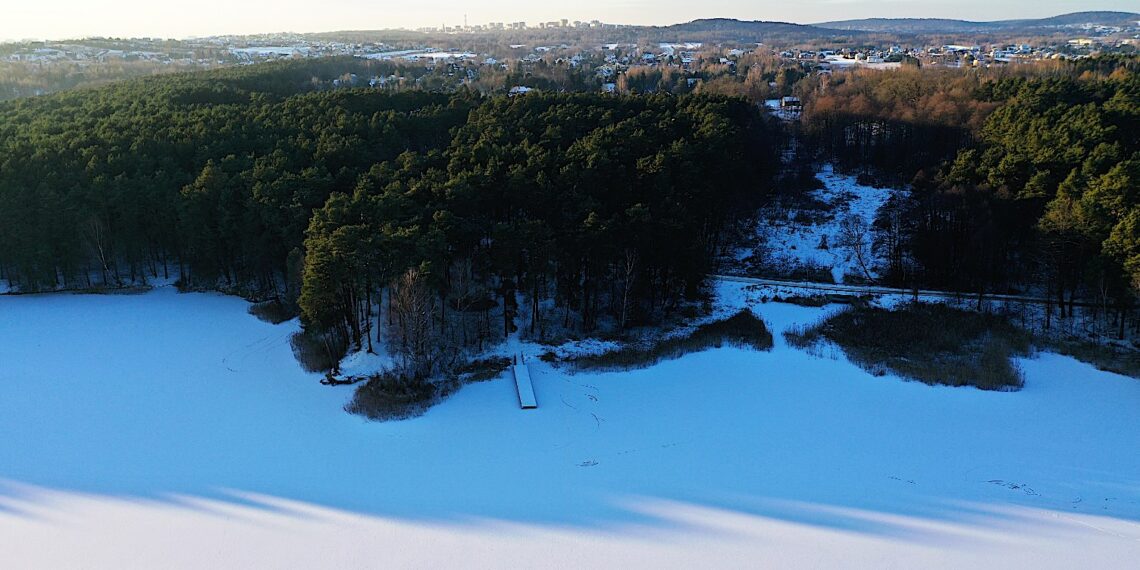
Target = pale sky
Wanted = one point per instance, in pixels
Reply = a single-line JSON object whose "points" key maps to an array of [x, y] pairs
{"points": [[60, 19]]}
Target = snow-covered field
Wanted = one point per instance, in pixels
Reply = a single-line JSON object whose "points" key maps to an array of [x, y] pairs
{"points": [[789, 241], [272, 50], [165, 431], [413, 54]]}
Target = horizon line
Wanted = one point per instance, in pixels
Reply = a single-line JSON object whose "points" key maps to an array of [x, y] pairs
{"points": [[624, 25]]}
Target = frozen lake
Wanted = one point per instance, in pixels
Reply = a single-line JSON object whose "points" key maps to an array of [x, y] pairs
{"points": [[169, 430]]}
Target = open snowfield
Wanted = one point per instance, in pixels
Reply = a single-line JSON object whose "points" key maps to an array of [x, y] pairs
{"points": [[176, 431]]}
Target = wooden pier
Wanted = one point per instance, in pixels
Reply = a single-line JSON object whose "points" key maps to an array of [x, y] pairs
{"points": [[524, 386]]}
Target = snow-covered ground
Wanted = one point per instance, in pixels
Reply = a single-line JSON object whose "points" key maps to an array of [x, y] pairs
{"points": [[95, 281], [272, 50], [787, 114], [792, 237], [176, 431], [841, 62], [412, 54]]}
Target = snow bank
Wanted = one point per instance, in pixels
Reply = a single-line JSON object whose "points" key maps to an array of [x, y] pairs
{"points": [[167, 430]]}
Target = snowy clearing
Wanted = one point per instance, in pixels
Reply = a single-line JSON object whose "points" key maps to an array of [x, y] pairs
{"points": [[177, 431], [792, 237]]}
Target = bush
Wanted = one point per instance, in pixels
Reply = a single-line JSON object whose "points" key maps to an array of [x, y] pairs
{"points": [[934, 344], [806, 271], [811, 217], [393, 395], [274, 312], [390, 396], [483, 369], [803, 300], [743, 329], [318, 352]]}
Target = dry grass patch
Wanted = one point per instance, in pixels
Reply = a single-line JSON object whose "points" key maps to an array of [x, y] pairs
{"points": [[934, 344], [744, 329]]}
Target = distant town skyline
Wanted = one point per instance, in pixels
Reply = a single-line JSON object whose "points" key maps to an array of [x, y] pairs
{"points": [[64, 19]]}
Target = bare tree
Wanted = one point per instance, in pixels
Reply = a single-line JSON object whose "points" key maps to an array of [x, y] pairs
{"points": [[417, 339], [891, 238], [96, 233], [855, 238], [627, 284]]}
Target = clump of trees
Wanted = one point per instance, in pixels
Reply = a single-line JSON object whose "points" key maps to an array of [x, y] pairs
{"points": [[1050, 194], [893, 123], [214, 174], [564, 213], [438, 222], [1024, 179], [1021, 181]]}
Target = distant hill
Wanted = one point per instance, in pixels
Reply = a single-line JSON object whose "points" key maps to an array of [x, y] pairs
{"points": [[706, 30], [1122, 19], [727, 29], [936, 25]]}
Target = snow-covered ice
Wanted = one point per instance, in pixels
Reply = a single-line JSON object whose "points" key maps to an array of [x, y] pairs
{"points": [[176, 431]]}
